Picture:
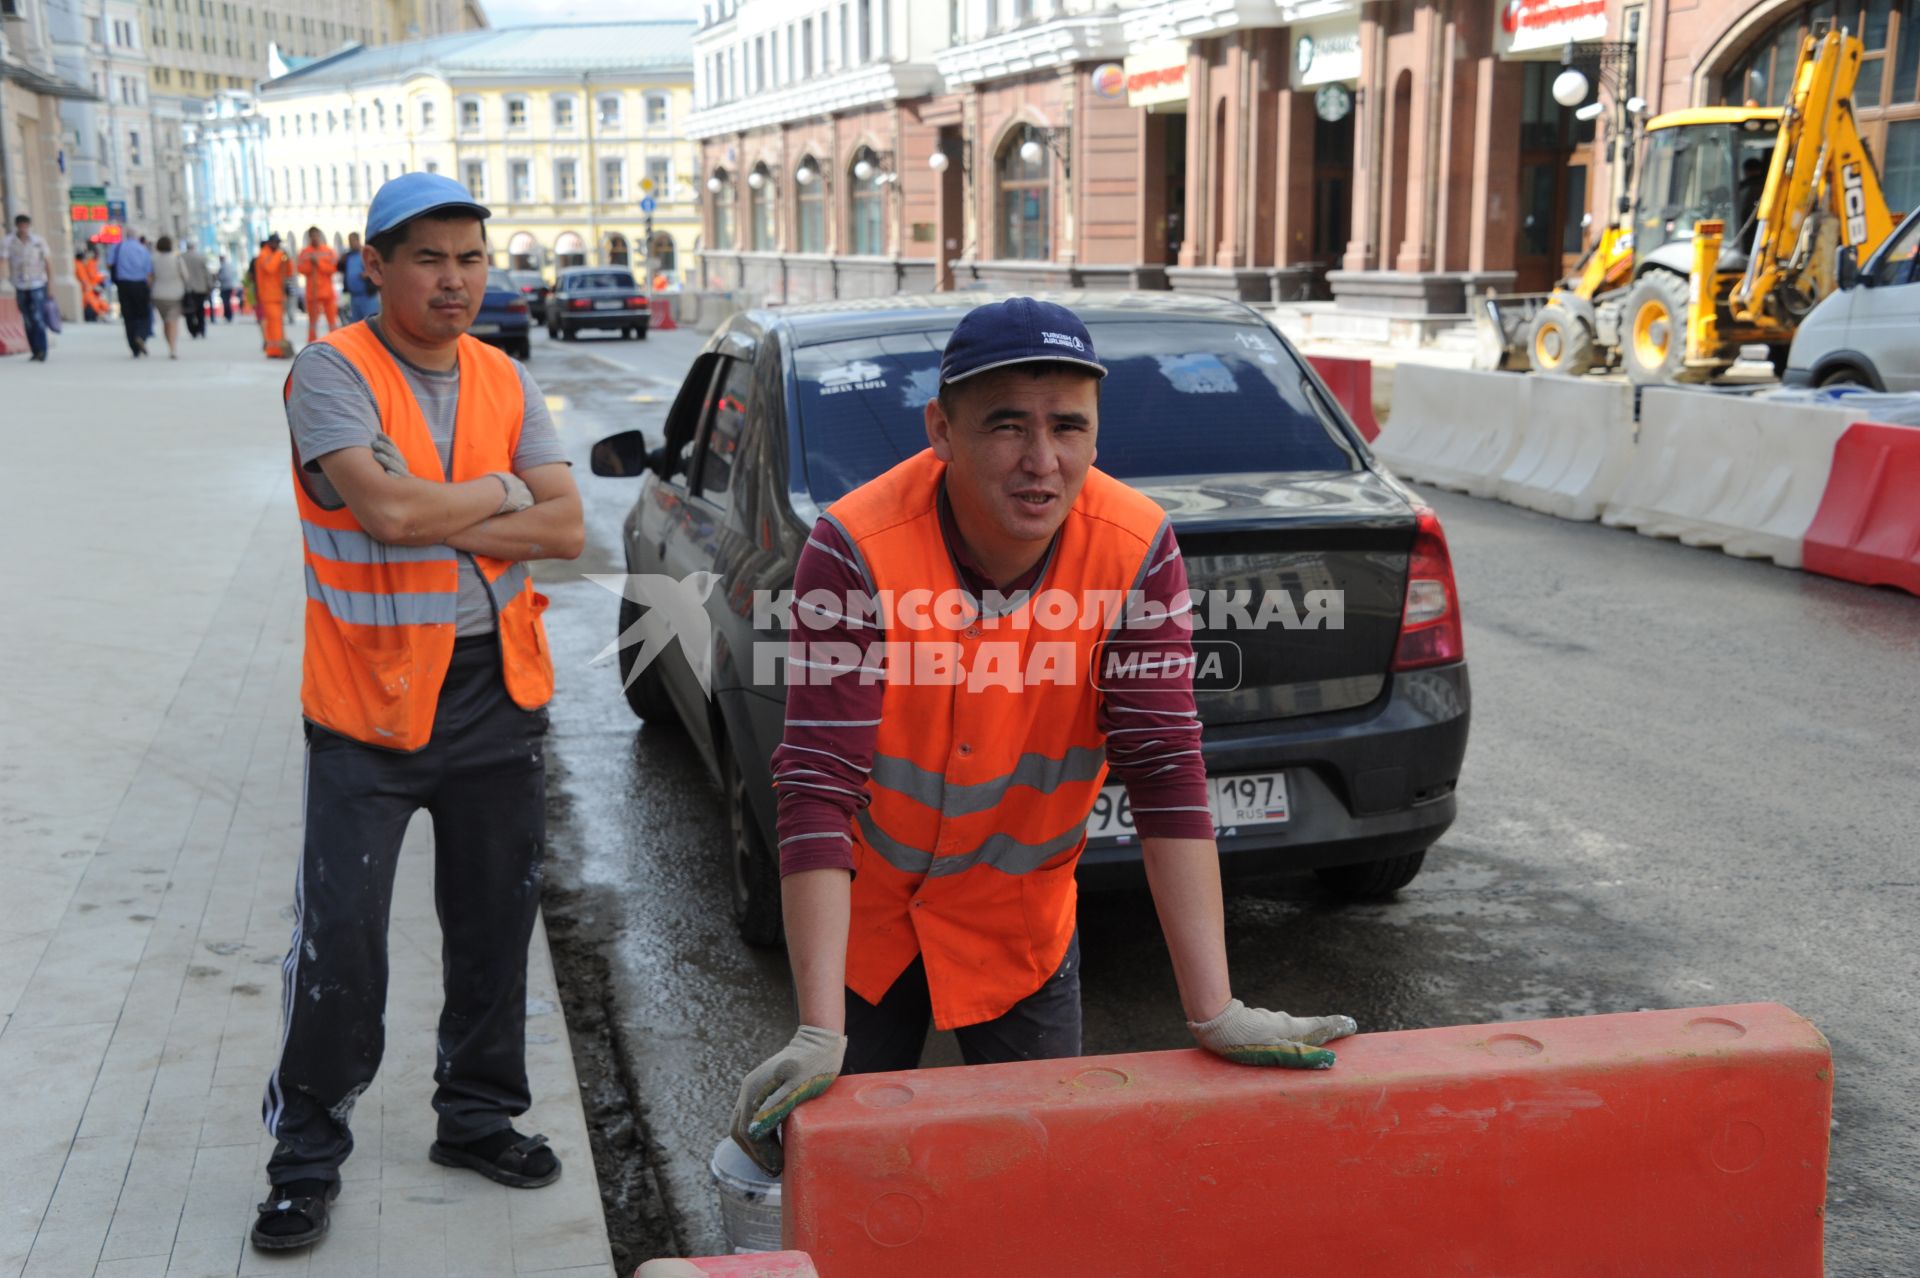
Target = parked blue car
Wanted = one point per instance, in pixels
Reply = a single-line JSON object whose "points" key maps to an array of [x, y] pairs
{"points": [[504, 319]]}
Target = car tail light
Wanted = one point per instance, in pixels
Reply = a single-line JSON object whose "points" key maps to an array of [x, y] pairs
{"points": [[516, 308], [1430, 633], [526, 288], [637, 303], [579, 303]]}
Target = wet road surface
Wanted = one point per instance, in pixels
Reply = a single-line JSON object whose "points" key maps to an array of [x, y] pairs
{"points": [[1691, 781]]}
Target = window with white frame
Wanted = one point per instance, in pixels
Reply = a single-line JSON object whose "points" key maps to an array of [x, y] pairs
{"points": [[469, 115], [566, 181], [516, 113], [474, 174], [520, 181], [431, 166], [806, 48], [426, 116], [563, 109], [660, 173], [607, 111], [657, 111], [613, 179]]}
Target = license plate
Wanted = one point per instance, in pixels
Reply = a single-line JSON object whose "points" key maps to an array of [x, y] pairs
{"points": [[608, 306], [478, 329], [1254, 799]]}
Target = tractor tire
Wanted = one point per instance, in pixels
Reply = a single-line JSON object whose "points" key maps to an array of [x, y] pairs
{"points": [[1653, 337], [1560, 344]]}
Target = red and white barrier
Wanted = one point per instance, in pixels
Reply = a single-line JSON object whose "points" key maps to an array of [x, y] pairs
{"points": [[1351, 381], [1868, 526], [13, 333]]}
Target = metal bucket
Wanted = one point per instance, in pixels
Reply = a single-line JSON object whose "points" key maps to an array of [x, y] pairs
{"points": [[749, 1200]]}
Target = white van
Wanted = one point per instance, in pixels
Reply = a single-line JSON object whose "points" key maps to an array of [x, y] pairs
{"points": [[1864, 333]]}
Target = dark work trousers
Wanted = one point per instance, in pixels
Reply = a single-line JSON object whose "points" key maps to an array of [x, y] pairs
{"points": [[194, 310], [1045, 1025], [136, 311], [482, 778]]}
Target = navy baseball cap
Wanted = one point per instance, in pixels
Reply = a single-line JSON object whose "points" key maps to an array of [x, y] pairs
{"points": [[1020, 330], [411, 194]]}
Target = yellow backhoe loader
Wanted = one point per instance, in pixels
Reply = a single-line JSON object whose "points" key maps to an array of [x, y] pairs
{"points": [[1793, 184]]}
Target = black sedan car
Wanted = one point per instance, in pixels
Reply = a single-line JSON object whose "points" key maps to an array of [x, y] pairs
{"points": [[588, 297], [533, 286], [1333, 745]]}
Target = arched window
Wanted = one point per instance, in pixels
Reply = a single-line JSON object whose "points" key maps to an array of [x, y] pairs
{"points": [[1886, 95], [616, 249], [569, 250], [720, 191], [660, 249], [810, 200], [760, 196], [1024, 174], [523, 252], [865, 206]]}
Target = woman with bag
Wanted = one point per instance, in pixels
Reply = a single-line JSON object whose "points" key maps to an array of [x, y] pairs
{"points": [[169, 292]]}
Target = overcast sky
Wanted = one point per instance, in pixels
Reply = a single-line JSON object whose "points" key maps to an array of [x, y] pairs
{"points": [[518, 13]]}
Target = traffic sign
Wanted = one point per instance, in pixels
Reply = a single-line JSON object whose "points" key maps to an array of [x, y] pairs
{"points": [[646, 184], [646, 204], [117, 211], [86, 194]]}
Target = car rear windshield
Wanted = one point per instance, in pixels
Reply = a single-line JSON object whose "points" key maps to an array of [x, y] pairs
{"points": [[500, 279], [600, 279], [1183, 397]]}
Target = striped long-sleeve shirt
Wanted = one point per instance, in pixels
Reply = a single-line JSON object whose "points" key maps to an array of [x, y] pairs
{"points": [[821, 767]]}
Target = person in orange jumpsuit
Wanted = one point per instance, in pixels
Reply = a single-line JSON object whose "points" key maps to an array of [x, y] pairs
{"points": [[271, 271], [318, 262], [87, 272]]}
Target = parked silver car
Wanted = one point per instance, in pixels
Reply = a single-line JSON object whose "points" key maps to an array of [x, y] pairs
{"points": [[1863, 333]]}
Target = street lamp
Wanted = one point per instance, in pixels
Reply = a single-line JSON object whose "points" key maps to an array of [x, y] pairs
{"points": [[713, 184], [938, 161], [805, 175], [1570, 87], [756, 179], [863, 170]]}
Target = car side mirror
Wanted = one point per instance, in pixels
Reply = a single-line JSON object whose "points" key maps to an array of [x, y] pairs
{"points": [[626, 455], [1847, 268]]}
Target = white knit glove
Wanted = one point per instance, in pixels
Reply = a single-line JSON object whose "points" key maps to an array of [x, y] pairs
{"points": [[1254, 1036], [796, 1073], [388, 454], [518, 497]]}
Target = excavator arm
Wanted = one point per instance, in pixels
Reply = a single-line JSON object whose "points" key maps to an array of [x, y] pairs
{"points": [[1822, 191]]}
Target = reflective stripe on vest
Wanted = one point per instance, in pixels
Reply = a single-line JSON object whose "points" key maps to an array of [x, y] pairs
{"points": [[978, 798], [380, 618]]}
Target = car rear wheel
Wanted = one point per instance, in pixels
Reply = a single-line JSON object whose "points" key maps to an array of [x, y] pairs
{"points": [[524, 348], [1371, 879], [646, 691], [641, 332], [756, 878], [569, 332]]}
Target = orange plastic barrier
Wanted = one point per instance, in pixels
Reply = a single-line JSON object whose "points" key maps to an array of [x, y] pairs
{"points": [[663, 313], [1674, 1142], [1351, 381], [13, 331], [1868, 526], [775, 1264]]}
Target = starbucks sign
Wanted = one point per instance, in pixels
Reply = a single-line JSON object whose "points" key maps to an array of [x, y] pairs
{"points": [[1325, 53]]}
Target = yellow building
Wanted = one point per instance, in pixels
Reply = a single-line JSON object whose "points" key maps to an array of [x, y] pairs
{"points": [[566, 132]]}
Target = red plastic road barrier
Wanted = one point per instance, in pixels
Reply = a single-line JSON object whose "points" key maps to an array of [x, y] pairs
{"points": [[663, 313], [1868, 526], [775, 1264], [1351, 381], [1674, 1142], [13, 333]]}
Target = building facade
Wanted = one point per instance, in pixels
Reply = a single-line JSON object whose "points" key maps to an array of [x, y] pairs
{"points": [[1392, 155], [572, 135], [33, 93], [226, 176]]}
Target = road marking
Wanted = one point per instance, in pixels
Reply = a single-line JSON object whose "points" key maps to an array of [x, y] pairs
{"points": [[644, 399], [609, 361], [556, 403]]}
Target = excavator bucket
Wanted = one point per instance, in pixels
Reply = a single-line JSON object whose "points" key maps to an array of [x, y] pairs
{"points": [[1500, 327]]}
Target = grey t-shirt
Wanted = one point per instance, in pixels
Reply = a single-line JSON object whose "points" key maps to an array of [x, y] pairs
{"points": [[329, 407]]}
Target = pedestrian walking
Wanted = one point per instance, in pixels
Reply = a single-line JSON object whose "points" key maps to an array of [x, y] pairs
{"points": [[318, 262], [271, 271], [363, 300], [425, 677], [928, 832], [30, 268], [229, 286], [199, 276], [169, 292], [133, 280]]}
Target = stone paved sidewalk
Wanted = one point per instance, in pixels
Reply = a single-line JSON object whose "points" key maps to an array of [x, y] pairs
{"points": [[150, 791]]}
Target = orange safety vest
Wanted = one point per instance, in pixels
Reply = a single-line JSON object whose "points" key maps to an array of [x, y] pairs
{"points": [[318, 265], [270, 272], [979, 797], [380, 618]]}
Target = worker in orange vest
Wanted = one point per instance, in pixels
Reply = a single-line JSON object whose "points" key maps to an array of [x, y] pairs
{"points": [[271, 271], [318, 262], [93, 295], [427, 475], [929, 827]]}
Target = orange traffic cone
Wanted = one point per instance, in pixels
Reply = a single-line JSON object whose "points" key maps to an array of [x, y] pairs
{"points": [[663, 313]]}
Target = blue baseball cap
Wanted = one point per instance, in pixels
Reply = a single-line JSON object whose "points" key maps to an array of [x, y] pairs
{"points": [[1020, 330], [411, 194]]}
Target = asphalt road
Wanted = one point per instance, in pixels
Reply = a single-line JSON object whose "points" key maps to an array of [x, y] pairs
{"points": [[1691, 781]]}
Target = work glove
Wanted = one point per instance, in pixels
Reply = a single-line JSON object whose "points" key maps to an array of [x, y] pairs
{"points": [[518, 497], [388, 454], [1254, 1036], [796, 1073]]}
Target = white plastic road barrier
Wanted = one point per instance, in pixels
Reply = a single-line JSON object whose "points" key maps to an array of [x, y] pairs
{"points": [[1738, 473], [1576, 446], [1453, 428]]}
